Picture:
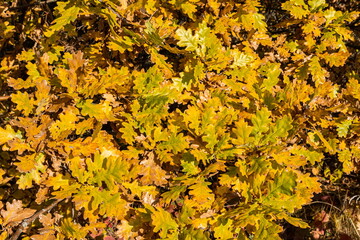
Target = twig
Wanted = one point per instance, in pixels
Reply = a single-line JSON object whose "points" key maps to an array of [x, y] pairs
{"points": [[326, 203], [4, 98], [29, 220]]}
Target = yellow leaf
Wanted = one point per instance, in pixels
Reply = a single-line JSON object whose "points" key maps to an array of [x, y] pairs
{"points": [[23, 101], [163, 222], [8, 134], [26, 164], [202, 194], [56, 182]]}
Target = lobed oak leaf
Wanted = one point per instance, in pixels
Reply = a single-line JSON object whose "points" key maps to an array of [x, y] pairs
{"points": [[83, 126], [19, 83], [45, 234], [33, 72], [125, 230], [346, 157], [202, 194], [152, 173], [66, 124], [335, 59], [297, 8], [343, 127], [241, 59], [27, 163], [261, 121], [223, 231], [23, 101], [317, 71], [316, 5], [42, 195], [163, 222], [242, 131], [72, 230], [15, 212], [140, 191], [187, 39], [109, 204], [26, 55], [67, 16], [176, 143], [42, 95], [66, 191], [353, 88], [267, 229], [272, 72], [102, 112], [173, 194], [36, 174], [58, 181], [8, 134], [189, 8], [281, 129]]}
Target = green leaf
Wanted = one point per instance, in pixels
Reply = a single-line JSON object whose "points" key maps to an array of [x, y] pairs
{"points": [[272, 72], [343, 127], [102, 112], [186, 39], [66, 17], [261, 121], [189, 164], [173, 194], [317, 4], [311, 156], [281, 128], [267, 230], [297, 8], [284, 183], [72, 230]]}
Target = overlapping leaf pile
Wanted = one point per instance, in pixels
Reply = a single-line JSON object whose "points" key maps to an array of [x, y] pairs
{"points": [[172, 119]]}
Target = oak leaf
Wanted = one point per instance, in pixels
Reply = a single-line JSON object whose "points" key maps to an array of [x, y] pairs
{"points": [[163, 222], [15, 212]]}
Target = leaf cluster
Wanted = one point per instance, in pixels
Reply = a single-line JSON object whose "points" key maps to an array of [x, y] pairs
{"points": [[201, 119]]}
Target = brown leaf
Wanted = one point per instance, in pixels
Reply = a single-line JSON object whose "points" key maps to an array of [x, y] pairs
{"points": [[152, 173], [15, 212], [45, 234], [46, 220]]}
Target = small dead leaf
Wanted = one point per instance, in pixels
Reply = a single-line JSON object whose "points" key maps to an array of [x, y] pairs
{"points": [[15, 212]]}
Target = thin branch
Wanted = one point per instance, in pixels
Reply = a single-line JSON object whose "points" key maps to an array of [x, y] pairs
{"points": [[4, 98], [29, 220]]}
